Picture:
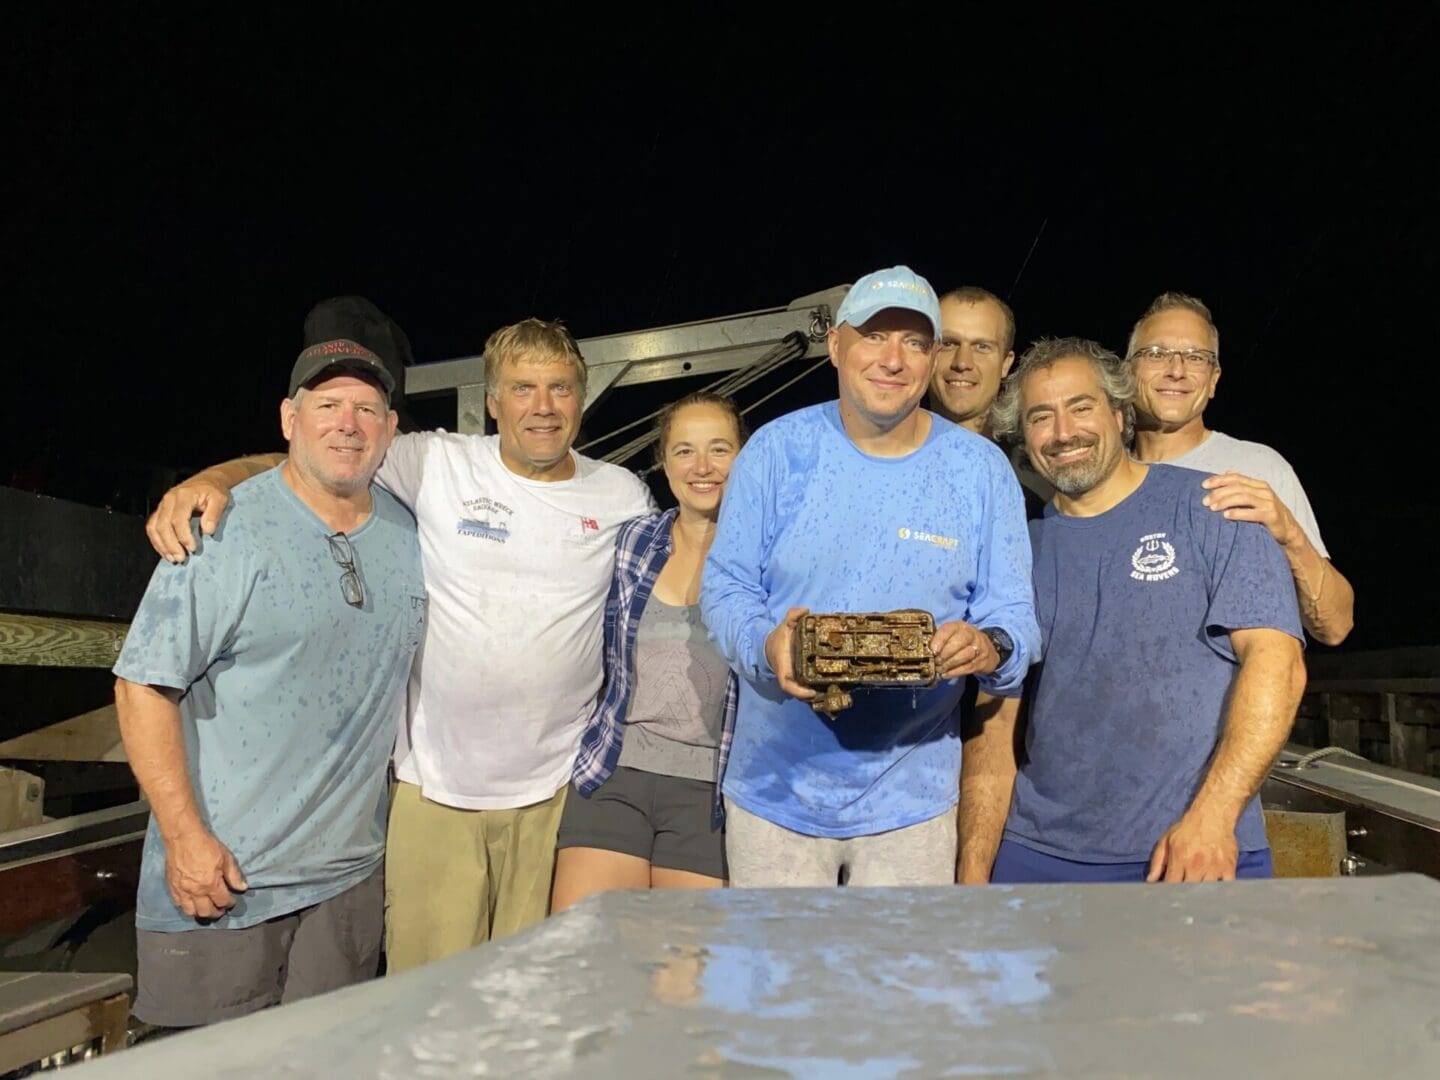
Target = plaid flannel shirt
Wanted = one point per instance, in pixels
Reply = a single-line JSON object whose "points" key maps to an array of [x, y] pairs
{"points": [[642, 547]]}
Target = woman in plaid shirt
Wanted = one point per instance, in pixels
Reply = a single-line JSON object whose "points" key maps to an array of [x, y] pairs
{"points": [[643, 811]]}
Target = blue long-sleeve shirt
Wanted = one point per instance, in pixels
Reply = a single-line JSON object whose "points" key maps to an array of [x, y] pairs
{"points": [[811, 521]]}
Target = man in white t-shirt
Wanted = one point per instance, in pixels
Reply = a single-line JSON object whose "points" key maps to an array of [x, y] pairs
{"points": [[517, 536], [1175, 352]]}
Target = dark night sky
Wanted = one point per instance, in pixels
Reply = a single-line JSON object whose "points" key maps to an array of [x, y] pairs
{"points": [[179, 190]]}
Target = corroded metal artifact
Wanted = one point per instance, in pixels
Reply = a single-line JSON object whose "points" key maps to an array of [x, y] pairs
{"points": [[837, 651]]}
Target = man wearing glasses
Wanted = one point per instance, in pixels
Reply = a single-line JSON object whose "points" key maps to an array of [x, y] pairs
{"points": [[1175, 353], [259, 691]]}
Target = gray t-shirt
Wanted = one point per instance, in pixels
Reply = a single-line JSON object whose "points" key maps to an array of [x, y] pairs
{"points": [[1220, 453], [678, 706]]}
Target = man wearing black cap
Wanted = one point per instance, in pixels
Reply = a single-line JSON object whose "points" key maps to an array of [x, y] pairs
{"points": [[356, 319], [259, 692], [518, 536]]}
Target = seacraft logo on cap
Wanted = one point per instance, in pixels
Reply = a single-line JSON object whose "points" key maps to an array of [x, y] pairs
{"points": [[910, 285]]}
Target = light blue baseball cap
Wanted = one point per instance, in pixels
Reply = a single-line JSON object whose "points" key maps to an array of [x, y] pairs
{"points": [[897, 287]]}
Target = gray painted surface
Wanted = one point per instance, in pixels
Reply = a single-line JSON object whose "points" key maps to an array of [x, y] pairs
{"points": [[1310, 978], [28, 997], [1399, 793]]}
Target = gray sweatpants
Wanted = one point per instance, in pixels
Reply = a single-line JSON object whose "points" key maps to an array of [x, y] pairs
{"points": [[765, 855]]}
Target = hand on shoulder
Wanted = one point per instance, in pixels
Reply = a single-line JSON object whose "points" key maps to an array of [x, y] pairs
{"points": [[1243, 498], [168, 528]]}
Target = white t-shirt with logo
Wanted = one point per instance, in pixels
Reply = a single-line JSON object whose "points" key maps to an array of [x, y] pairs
{"points": [[517, 571]]}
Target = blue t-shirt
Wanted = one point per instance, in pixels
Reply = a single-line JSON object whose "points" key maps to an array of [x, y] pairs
{"points": [[292, 696], [811, 521], [1128, 705]]}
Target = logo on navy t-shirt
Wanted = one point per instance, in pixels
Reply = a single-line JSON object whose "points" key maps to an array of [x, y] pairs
{"points": [[1154, 559]]}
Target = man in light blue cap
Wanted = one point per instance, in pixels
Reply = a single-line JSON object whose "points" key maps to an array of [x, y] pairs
{"points": [[867, 503]]}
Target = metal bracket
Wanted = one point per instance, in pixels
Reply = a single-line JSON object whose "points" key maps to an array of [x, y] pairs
{"points": [[706, 347]]}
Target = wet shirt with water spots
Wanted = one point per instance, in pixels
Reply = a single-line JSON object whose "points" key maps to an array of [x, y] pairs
{"points": [[292, 696], [1124, 713], [809, 520]]}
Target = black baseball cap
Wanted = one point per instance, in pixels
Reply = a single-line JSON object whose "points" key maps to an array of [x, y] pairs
{"points": [[339, 353]]}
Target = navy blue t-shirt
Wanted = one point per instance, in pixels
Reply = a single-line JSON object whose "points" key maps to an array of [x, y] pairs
{"points": [[1128, 703]]}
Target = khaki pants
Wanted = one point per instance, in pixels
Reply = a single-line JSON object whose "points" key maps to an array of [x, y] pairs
{"points": [[458, 878]]}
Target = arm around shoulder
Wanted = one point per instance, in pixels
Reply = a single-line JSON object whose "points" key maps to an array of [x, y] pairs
{"points": [[205, 494], [1327, 601]]}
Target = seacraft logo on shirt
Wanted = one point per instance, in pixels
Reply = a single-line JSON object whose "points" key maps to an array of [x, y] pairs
{"points": [[483, 518], [946, 542], [1154, 559]]}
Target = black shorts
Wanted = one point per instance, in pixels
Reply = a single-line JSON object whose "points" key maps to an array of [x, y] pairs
{"points": [[664, 820]]}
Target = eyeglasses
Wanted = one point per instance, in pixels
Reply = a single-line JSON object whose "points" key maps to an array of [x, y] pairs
{"points": [[1158, 355], [350, 586]]}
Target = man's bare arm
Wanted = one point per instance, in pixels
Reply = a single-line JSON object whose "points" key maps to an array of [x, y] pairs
{"points": [[1327, 602], [1266, 692], [987, 780], [199, 870], [207, 493]]}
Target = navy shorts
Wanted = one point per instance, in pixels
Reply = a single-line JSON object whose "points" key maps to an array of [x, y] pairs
{"points": [[1016, 864]]}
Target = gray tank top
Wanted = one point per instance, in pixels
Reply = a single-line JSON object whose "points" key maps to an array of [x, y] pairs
{"points": [[678, 704]]}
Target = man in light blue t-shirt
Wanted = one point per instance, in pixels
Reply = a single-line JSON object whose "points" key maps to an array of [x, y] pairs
{"points": [[868, 503], [1173, 662], [259, 693]]}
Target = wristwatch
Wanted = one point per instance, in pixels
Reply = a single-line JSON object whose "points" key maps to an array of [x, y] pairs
{"points": [[1004, 644]]}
